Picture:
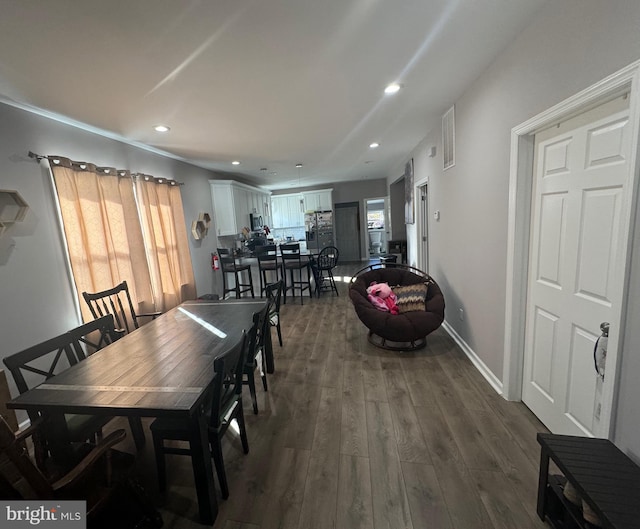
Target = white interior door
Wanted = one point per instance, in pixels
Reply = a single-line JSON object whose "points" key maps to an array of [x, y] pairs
{"points": [[575, 268]]}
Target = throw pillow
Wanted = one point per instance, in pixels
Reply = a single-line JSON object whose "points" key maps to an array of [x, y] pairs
{"points": [[411, 297]]}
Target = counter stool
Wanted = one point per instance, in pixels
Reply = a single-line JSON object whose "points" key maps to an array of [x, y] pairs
{"points": [[268, 264], [292, 261], [229, 265]]}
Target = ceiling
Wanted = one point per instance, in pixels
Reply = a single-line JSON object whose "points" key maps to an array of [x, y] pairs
{"points": [[269, 83]]}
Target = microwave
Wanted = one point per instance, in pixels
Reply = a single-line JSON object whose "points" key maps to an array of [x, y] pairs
{"points": [[255, 221]]}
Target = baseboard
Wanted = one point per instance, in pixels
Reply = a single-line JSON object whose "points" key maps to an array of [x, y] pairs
{"points": [[495, 383]]}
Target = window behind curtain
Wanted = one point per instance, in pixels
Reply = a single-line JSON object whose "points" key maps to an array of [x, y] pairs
{"points": [[102, 226]]}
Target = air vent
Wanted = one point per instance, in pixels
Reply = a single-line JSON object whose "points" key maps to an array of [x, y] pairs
{"points": [[448, 139]]}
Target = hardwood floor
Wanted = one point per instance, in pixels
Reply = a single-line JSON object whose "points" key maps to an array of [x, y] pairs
{"points": [[350, 436]]}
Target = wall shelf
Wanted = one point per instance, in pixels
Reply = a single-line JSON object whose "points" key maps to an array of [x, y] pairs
{"points": [[13, 208]]}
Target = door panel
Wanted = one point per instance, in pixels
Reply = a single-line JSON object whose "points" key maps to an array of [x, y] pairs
{"points": [[575, 267], [347, 232]]}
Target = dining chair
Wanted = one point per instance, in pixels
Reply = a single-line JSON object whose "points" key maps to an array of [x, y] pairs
{"points": [[93, 336], [225, 405], [38, 363], [268, 265], [325, 262], [292, 262], [274, 293], [102, 478], [116, 301], [255, 358], [229, 265]]}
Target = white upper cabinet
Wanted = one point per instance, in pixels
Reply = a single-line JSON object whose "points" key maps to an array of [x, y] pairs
{"points": [[232, 204], [287, 211], [320, 200]]}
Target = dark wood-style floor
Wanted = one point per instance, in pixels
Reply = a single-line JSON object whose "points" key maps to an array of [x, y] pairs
{"points": [[350, 436]]}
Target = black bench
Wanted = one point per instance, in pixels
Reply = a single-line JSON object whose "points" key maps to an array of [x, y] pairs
{"points": [[603, 476]]}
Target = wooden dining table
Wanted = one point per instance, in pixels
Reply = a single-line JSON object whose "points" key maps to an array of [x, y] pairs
{"points": [[162, 369]]}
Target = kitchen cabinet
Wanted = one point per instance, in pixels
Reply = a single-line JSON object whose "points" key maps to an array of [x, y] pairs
{"points": [[232, 204], [287, 211], [319, 200]]}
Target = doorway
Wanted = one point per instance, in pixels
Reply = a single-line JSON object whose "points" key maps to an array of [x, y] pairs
{"points": [[377, 226], [521, 212], [347, 227], [423, 228]]}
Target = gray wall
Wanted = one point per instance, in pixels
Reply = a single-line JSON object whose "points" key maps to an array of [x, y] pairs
{"points": [[36, 292], [569, 46]]}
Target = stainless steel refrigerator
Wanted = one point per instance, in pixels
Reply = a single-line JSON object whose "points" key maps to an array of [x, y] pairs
{"points": [[319, 230]]}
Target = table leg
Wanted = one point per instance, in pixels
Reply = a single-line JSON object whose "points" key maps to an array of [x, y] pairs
{"points": [[543, 479], [203, 470], [57, 435]]}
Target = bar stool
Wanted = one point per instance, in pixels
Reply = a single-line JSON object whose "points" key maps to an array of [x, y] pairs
{"points": [[229, 265], [268, 265], [292, 261]]}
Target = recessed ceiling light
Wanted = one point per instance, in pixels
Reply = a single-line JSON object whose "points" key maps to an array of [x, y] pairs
{"points": [[235, 162], [374, 145], [161, 128], [392, 88]]}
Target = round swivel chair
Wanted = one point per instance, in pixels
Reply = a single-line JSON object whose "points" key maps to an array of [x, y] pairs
{"points": [[405, 331]]}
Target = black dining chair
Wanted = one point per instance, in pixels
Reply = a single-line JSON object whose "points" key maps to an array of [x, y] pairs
{"points": [[229, 265], [325, 262], [293, 263], [268, 265], [274, 293], [225, 405], [116, 301], [102, 478], [40, 362], [255, 358]]}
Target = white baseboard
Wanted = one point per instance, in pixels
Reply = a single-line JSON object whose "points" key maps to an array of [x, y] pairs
{"points": [[495, 382]]}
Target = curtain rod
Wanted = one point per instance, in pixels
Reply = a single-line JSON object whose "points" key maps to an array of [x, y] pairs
{"points": [[169, 181]]}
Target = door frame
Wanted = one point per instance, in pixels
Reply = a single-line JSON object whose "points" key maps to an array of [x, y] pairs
{"points": [[521, 176], [387, 223], [422, 233]]}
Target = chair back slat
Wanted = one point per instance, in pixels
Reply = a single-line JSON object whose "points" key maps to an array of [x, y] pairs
{"points": [[115, 301]]}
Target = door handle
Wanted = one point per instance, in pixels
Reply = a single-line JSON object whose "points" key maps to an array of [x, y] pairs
{"points": [[600, 349]]}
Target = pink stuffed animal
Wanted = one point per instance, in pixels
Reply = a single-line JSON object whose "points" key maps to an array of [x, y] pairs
{"points": [[382, 297]]}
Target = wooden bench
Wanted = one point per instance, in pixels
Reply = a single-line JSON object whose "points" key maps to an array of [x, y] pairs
{"points": [[603, 476]]}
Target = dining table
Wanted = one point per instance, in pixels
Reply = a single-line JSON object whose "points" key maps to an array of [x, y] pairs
{"points": [[162, 369]]}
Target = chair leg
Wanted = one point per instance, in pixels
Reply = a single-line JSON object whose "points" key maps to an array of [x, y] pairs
{"points": [[216, 452], [242, 428], [252, 391], [137, 431], [279, 331], [161, 467], [251, 283], [237, 289]]}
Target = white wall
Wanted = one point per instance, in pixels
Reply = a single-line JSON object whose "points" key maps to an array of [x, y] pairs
{"points": [[569, 46]]}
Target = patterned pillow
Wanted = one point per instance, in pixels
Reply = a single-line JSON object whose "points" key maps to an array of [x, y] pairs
{"points": [[411, 297]]}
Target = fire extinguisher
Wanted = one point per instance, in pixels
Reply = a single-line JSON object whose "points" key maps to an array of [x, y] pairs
{"points": [[215, 262]]}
